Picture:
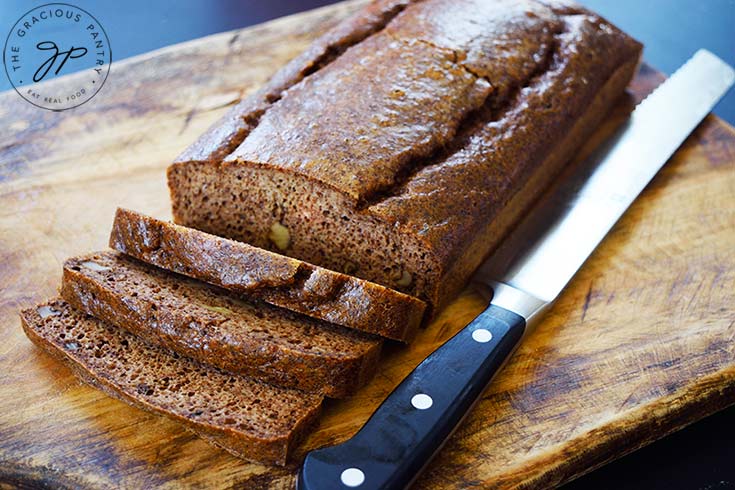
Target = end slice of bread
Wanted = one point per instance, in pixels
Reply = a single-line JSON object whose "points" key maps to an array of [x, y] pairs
{"points": [[276, 279], [215, 327], [250, 419]]}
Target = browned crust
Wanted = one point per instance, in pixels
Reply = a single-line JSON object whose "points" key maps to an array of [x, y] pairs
{"points": [[275, 450], [227, 133], [539, 180], [279, 280], [334, 376]]}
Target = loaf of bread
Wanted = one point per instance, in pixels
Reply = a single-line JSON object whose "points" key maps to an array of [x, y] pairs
{"points": [[276, 279], [250, 419], [208, 324], [404, 143]]}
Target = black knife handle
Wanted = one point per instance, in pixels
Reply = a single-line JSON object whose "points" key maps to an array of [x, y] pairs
{"points": [[414, 421]]}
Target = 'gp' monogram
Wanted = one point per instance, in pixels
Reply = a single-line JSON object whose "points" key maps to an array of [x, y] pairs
{"points": [[72, 53]]}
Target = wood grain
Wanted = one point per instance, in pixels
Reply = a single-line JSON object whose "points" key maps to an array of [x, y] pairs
{"points": [[640, 343]]}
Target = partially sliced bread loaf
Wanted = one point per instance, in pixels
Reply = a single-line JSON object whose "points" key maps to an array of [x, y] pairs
{"points": [[215, 327], [277, 279], [250, 419], [414, 151]]}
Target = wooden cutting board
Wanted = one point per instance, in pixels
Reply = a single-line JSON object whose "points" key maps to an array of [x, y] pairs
{"points": [[639, 345]]}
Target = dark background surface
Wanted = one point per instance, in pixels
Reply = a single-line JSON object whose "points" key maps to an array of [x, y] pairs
{"points": [[672, 30], [700, 457]]}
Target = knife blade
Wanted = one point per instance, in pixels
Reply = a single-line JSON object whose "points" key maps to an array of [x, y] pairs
{"points": [[415, 420]]}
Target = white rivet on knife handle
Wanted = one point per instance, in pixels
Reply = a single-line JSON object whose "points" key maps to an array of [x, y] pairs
{"points": [[482, 335], [352, 477], [422, 401]]}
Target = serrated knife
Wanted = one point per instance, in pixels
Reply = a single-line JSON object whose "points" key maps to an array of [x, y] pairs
{"points": [[401, 437]]}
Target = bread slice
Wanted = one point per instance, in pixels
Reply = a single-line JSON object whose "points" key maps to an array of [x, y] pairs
{"points": [[277, 279], [215, 327], [410, 154], [248, 418]]}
